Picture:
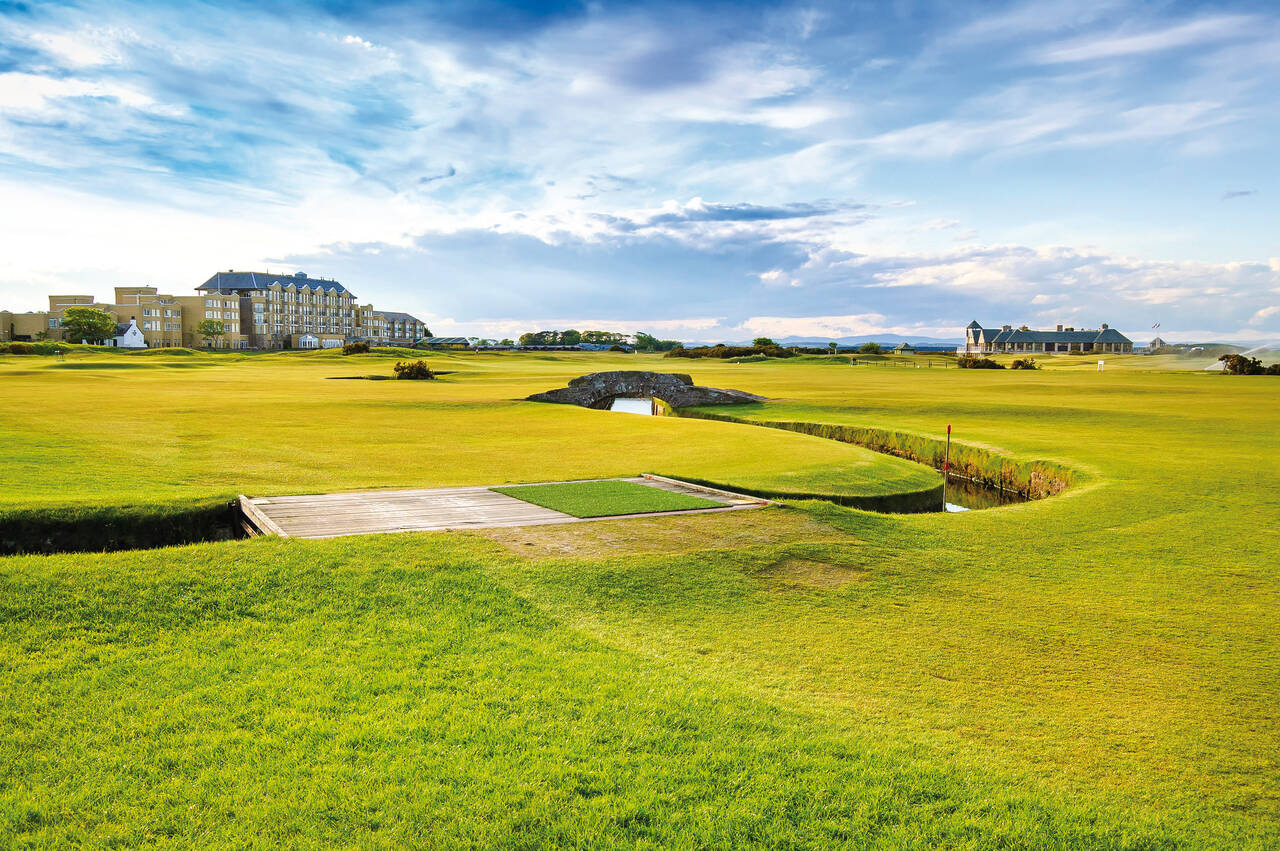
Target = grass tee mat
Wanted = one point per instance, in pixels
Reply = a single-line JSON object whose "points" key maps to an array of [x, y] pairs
{"points": [[605, 499]]}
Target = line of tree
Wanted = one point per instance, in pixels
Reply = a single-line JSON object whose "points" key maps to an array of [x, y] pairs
{"points": [[571, 337]]}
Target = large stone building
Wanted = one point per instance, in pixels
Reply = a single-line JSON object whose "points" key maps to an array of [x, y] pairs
{"points": [[257, 311], [981, 341]]}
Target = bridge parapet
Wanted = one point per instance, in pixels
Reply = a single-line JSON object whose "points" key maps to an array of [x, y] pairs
{"points": [[599, 389]]}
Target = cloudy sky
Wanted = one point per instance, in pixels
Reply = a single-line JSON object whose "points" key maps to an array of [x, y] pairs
{"points": [[704, 171]]}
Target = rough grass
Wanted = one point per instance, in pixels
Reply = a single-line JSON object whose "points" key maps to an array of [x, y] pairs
{"points": [[605, 499], [1097, 669]]}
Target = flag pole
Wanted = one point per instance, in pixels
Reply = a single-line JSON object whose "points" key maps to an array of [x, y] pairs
{"points": [[946, 467]]}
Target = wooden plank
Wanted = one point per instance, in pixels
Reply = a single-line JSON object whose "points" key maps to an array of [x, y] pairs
{"points": [[691, 486], [259, 519]]}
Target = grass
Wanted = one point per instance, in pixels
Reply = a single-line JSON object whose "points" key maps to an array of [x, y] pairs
{"points": [[1097, 670], [605, 499], [216, 426]]}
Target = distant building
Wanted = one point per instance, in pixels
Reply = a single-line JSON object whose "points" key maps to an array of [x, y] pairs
{"points": [[257, 311], [979, 340], [404, 329], [129, 336]]}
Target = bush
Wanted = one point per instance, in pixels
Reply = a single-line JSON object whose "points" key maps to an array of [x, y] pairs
{"points": [[870, 349], [1241, 365], [1024, 363], [616, 348], [971, 362], [20, 349], [414, 370], [357, 348]]}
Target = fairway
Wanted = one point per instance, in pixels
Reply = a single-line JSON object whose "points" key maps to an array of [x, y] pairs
{"points": [[602, 499], [1097, 669]]}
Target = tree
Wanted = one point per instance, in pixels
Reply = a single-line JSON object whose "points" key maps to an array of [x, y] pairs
{"points": [[763, 342], [649, 343], [870, 349], [570, 337], [507, 341], [833, 345], [211, 329], [87, 323]]}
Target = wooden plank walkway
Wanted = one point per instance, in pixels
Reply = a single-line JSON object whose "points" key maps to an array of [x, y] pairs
{"points": [[370, 512]]}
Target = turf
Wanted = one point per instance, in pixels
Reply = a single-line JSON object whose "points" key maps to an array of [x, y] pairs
{"points": [[1099, 669], [606, 499], [272, 424]]}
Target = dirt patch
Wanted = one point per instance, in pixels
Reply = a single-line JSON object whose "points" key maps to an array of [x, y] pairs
{"points": [[812, 573], [678, 533]]}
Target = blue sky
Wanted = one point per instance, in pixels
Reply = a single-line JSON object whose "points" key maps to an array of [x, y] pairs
{"points": [[704, 171]]}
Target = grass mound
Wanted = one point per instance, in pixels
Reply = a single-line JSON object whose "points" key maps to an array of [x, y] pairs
{"points": [[605, 499]]}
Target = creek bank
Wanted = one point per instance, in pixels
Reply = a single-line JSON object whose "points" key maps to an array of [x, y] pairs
{"points": [[1029, 479], [93, 528]]}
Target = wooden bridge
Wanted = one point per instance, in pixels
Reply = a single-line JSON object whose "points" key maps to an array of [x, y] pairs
{"points": [[332, 515]]}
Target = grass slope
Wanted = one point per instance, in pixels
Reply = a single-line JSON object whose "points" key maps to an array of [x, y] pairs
{"points": [[604, 499], [283, 693]]}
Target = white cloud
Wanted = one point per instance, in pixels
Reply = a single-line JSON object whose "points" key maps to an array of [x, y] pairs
{"points": [[1168, 38]]}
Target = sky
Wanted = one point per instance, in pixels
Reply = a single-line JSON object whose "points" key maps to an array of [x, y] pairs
{"points": [[703, 171]]}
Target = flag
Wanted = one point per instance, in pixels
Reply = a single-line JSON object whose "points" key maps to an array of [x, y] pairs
{"points": [[1157, 325]]}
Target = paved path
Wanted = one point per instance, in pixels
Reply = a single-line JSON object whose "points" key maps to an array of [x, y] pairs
{"points": [[367, 512]]}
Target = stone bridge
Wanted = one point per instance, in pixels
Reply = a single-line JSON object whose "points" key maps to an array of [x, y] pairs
{"points": [[599, 389]]}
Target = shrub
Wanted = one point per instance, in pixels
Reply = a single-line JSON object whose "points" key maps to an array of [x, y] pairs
{"points": [[870, 349], [21, 349], [616, 348], [357, 348], [414, 370], [1024, 363], [972, 362], [1241, 365]]}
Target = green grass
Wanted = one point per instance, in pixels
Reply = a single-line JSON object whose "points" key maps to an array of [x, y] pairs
{"points": [[605, 499], [272, 424], [1099, 669]]}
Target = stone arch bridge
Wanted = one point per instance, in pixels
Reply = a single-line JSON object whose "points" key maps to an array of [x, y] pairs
{"points": [[599, 389]]}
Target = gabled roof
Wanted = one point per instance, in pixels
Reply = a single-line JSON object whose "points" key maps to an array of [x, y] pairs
{"points": [[1091, 335], [230, 282]]}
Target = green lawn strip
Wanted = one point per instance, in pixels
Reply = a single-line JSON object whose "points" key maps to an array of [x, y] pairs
{"points": [[605, 499]]}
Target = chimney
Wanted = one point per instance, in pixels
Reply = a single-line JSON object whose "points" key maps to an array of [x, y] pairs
{"points": [[1059, 327], [1006, 327], [1105, 326]]}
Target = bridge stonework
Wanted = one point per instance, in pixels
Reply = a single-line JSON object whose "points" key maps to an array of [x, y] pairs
{"points": [[599, 389]]}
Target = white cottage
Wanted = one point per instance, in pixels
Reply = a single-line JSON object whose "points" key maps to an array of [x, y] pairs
{"points": [[129, 336]]}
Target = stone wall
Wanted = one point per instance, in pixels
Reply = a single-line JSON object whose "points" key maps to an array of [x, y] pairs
{"points": [[599, 389]]}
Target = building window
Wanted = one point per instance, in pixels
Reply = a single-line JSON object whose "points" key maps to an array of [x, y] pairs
{"points": [[54, 322], [210, 302], [211, 314]]}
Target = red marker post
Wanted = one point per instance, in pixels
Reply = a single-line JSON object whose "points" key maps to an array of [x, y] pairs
{"points": [[946, 467]]}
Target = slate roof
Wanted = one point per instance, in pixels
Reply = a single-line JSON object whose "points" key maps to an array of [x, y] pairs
{"points": [[992, 336], [229, 282], [121, 328], [401, 317], [445, 341]]}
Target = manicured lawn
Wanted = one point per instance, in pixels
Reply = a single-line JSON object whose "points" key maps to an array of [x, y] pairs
{"points": [[198, 427], [603, 499], [1098, 670]]}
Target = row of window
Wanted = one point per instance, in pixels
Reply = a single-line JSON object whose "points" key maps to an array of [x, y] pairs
{"points": [[155, 311]]}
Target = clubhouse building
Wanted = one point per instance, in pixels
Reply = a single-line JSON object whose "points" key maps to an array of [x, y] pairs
{"points": [[982, 341], [257, 311]]}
